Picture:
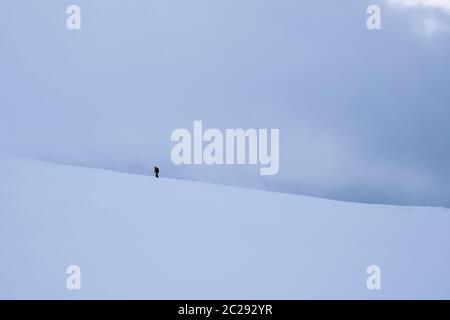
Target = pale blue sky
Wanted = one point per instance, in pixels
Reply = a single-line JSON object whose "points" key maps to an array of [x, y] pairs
{"points": [[363, 115]]}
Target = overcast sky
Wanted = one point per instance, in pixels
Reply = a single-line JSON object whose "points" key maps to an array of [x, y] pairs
{"points": [[363, 115]]}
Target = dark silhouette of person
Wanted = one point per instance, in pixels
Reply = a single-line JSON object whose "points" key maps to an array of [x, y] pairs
{"points": [[156, 171]]}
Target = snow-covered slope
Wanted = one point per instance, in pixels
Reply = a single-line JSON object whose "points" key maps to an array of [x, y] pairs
{"points": [[138, 237]]}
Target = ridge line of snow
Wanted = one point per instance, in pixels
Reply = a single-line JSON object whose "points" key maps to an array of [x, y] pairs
{"points": [[287, 194]]}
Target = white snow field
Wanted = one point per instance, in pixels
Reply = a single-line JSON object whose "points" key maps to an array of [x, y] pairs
{"points": [[138, 237]]}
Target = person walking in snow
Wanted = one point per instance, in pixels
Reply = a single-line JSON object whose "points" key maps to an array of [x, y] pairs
{"points": [[156, 171]]}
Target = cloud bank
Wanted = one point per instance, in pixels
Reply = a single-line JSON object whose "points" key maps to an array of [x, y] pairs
{"points": [[358, 121], [443, 5], [433, 15]]}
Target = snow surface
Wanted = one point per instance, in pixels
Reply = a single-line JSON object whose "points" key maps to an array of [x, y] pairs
{"points": [[138, 237]]}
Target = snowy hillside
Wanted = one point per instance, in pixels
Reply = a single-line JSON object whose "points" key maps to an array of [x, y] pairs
{"points": [[137, 237]]}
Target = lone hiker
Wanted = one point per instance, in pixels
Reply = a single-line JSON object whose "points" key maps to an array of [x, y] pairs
{"points": [[156, 171]]}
